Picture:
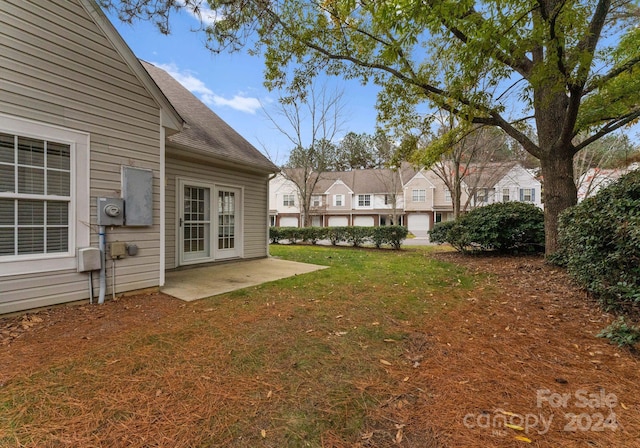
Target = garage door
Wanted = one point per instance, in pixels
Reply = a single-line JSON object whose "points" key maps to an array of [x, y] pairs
{"points": [[338, 221], [418, 224], [288, 221], [364, 221]]}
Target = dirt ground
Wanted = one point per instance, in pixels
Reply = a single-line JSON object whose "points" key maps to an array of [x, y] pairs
{"points": [[522, 368]]}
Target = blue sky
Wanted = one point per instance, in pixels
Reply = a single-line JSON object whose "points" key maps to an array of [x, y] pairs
{"points": [[232, 84]]}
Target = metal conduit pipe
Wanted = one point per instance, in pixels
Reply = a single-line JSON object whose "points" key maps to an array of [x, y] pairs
{"points": [[103, 262]]}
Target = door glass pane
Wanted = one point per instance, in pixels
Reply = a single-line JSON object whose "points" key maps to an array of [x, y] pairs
{"points": [[226, 219], [196, 222]]}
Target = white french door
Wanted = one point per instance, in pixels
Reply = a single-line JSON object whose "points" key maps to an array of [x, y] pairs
{"points": [[228, 220], [209, 222], [195, 223]]}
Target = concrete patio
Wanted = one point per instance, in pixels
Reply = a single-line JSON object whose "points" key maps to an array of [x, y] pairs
{"points": [[201, 282]]}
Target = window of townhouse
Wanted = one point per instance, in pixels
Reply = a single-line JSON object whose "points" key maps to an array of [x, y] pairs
{"points": [[481, 195], [527, 195], [316, 201], [338, 200], [447, 196], [364, 200], [44, 195], [419, 195], [288, 200], [505, 195]]}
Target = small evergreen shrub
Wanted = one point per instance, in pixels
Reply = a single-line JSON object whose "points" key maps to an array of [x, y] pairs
{"points": [[439, 233], [274, 235], [599, 243], [502, 227], [356, 236], [313, 234], [622, 333], [391, 235]]}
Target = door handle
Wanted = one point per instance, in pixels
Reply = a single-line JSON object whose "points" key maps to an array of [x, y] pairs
{"points": [[180, 225]]}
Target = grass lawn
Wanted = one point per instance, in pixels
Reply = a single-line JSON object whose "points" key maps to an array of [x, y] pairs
{"points": [[380, 350]]}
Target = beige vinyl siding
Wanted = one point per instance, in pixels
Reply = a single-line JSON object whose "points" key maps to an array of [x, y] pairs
{"points": [[255, 200], [58, 68]]}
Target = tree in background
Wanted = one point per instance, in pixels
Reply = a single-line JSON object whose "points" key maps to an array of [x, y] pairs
{"points": [[603, 161], [463, 161], [311, 123], [364, 151], [570, 67]]}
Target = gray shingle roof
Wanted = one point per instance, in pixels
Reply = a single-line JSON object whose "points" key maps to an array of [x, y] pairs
{"points": [[204, 130]]}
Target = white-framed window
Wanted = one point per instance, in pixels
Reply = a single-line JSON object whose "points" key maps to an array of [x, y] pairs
{"points": [[506, 195], [481, 196], [338, 200], [364, 200], [527, 194], [44, 196], [388, 199], [289, 200], [316, 201], [419, 195], [447, 196]]}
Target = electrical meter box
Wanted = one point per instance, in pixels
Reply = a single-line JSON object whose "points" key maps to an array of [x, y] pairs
{"points": [[89, 259], [110, 211]]}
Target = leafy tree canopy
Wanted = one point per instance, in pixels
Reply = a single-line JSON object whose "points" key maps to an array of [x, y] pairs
{"points": [[563, 67]]}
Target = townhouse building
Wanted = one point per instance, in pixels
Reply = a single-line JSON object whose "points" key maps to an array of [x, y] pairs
{"points": [[416, 198]]}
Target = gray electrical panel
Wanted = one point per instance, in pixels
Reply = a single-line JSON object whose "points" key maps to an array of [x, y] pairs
{"points": [[137, 192], [110, 212]]}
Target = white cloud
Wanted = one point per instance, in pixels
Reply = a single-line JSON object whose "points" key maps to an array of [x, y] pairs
{"points": [[209, 97], [203, 12]]}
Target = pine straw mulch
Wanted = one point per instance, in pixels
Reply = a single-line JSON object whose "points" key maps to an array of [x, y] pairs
{"points": [[469, 376]]}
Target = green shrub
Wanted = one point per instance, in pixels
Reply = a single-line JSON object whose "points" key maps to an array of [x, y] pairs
{"points": [[274, 235], [502, 227], [621, 332], [292, 234], [335, 234], [313, 234], [357, 236], [391, 235], [599, 243], [439, 233]]}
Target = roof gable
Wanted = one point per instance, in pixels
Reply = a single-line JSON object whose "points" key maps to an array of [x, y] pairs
{"points": [[170, 118], [205, 132]]}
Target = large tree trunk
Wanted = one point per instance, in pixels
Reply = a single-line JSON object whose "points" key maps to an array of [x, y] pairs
{"points": [[559, 193]]}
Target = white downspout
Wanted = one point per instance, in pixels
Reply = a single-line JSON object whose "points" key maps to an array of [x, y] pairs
{"points": [[161, 276], [269, 179]]}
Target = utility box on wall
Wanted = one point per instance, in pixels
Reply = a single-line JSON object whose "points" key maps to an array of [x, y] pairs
{"points": [[137, 192], [110, 212]]}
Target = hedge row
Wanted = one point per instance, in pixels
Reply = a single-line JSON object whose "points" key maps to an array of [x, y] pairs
{"points": [[599, 243], [356, 236], [500, 227]]}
